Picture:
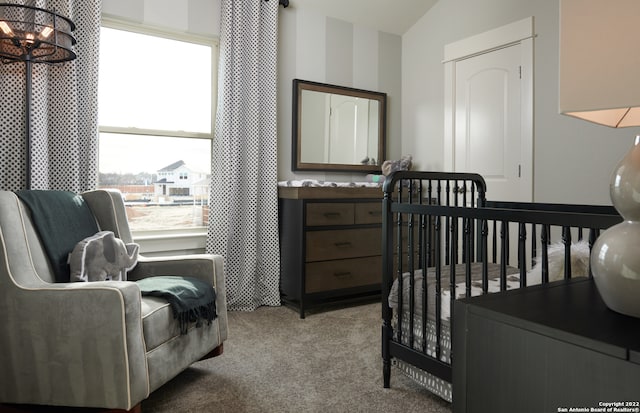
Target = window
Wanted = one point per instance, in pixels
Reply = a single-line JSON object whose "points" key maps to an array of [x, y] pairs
{"points": [[179, 191], [156, 110]]}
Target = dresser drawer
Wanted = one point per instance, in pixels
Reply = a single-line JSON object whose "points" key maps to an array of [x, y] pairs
{"points": [[368, 213], [339, 274], [346, 243], [326, 213]]}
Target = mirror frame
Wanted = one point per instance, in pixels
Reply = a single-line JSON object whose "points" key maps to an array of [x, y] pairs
{"points": [[296, 134]]}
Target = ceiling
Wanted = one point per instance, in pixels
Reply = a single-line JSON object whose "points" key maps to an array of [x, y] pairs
{"points": [[391, 16]]}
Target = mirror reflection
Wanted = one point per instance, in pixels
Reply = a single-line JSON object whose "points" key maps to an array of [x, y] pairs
{"points": [[337, 128]]}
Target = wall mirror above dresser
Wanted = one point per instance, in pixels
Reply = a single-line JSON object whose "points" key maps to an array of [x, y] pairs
{"points": [[337, 128]]}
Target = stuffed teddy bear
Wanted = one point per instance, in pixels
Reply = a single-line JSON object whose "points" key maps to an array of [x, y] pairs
{"points": [[403, 164]]}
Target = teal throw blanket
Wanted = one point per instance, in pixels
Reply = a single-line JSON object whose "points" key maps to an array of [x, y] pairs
{"points": [[191, 299], [62, 219]]}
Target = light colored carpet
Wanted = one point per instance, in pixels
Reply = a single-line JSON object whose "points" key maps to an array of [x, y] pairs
{"points": [[273, 361]]}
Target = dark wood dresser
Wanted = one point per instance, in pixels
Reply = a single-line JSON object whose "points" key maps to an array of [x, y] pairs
{"points": [[549, 348], [330, 244]]}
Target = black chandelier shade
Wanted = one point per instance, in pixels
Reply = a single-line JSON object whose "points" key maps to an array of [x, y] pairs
{"points": [[35, 35]]}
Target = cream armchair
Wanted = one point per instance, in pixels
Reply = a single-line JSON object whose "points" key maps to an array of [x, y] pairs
{"points": [[95, 344]]}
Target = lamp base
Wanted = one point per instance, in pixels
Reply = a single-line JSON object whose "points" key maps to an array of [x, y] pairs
{"points": [[615, 257], [615, 263]]}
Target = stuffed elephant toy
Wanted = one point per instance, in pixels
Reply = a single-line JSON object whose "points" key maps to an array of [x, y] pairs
{"points": [[102, 257]]}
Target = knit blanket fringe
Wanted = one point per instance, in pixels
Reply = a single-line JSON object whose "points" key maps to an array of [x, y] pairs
{"points": [[195, 315]]}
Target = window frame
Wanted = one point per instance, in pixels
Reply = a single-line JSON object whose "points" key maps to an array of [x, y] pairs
{"points": [[170, 239]]}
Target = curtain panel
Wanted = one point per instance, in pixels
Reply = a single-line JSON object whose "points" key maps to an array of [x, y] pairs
{"points": [[64, 110], [243, 217]]}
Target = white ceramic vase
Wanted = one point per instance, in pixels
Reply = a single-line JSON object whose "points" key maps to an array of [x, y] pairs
{"points": [[615, 256]]}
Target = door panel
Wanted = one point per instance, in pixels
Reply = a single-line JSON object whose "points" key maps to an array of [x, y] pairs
{"points": [[487, 120], [348, 123]]}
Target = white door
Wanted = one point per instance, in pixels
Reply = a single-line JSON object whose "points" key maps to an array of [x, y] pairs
{"points": [[488, 107]]}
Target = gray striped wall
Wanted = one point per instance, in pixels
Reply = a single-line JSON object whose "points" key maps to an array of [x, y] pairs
{"points": [[311, 46], [323, 49]]}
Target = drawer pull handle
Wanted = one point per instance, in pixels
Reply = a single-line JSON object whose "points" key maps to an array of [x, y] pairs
{"points": [[342, 244], [342, 274], [375, 212], [331, 214]]}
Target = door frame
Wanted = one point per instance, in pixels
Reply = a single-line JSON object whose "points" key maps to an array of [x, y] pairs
{"points": [[519, 32]]}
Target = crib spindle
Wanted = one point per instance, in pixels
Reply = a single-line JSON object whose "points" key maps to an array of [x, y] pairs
{"points": [[566, 240], [494, 243], [447, 240], [410, 262], [504, 253], [438, 286], [466, 240], [534, 250], [429, 259], [484, 233], [399, 255], [470, 187], [544, 241], [522, 252], [507, 236], [424, 290], [452, 269]]}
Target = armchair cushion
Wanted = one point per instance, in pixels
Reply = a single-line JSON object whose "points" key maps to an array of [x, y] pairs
{"points": [[61, 219]]}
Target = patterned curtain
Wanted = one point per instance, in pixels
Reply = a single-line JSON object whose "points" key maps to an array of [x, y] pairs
{"points": [[243, 218], [64, 128]]}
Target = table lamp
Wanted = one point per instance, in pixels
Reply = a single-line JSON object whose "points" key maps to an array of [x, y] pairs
{"points": [[600, 83]]}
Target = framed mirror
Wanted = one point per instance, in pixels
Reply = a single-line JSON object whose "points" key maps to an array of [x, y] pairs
{"points": [[337, 128]]}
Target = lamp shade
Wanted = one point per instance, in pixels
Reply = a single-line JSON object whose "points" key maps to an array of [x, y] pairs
{"points": [[600, 61], [599, 82]]}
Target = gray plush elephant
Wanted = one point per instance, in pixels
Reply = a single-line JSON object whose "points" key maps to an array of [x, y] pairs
{"points": [[102, 257]]}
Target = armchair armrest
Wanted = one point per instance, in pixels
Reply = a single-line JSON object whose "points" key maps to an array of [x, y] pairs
{"points": [[202, 266], [206, 267], [56, 334]]}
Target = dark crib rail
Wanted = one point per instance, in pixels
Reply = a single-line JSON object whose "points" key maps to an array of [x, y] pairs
{"points": [[448, 221]]}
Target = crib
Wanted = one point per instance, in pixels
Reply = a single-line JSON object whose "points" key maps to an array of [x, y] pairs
{"points": [[443, 240]]}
